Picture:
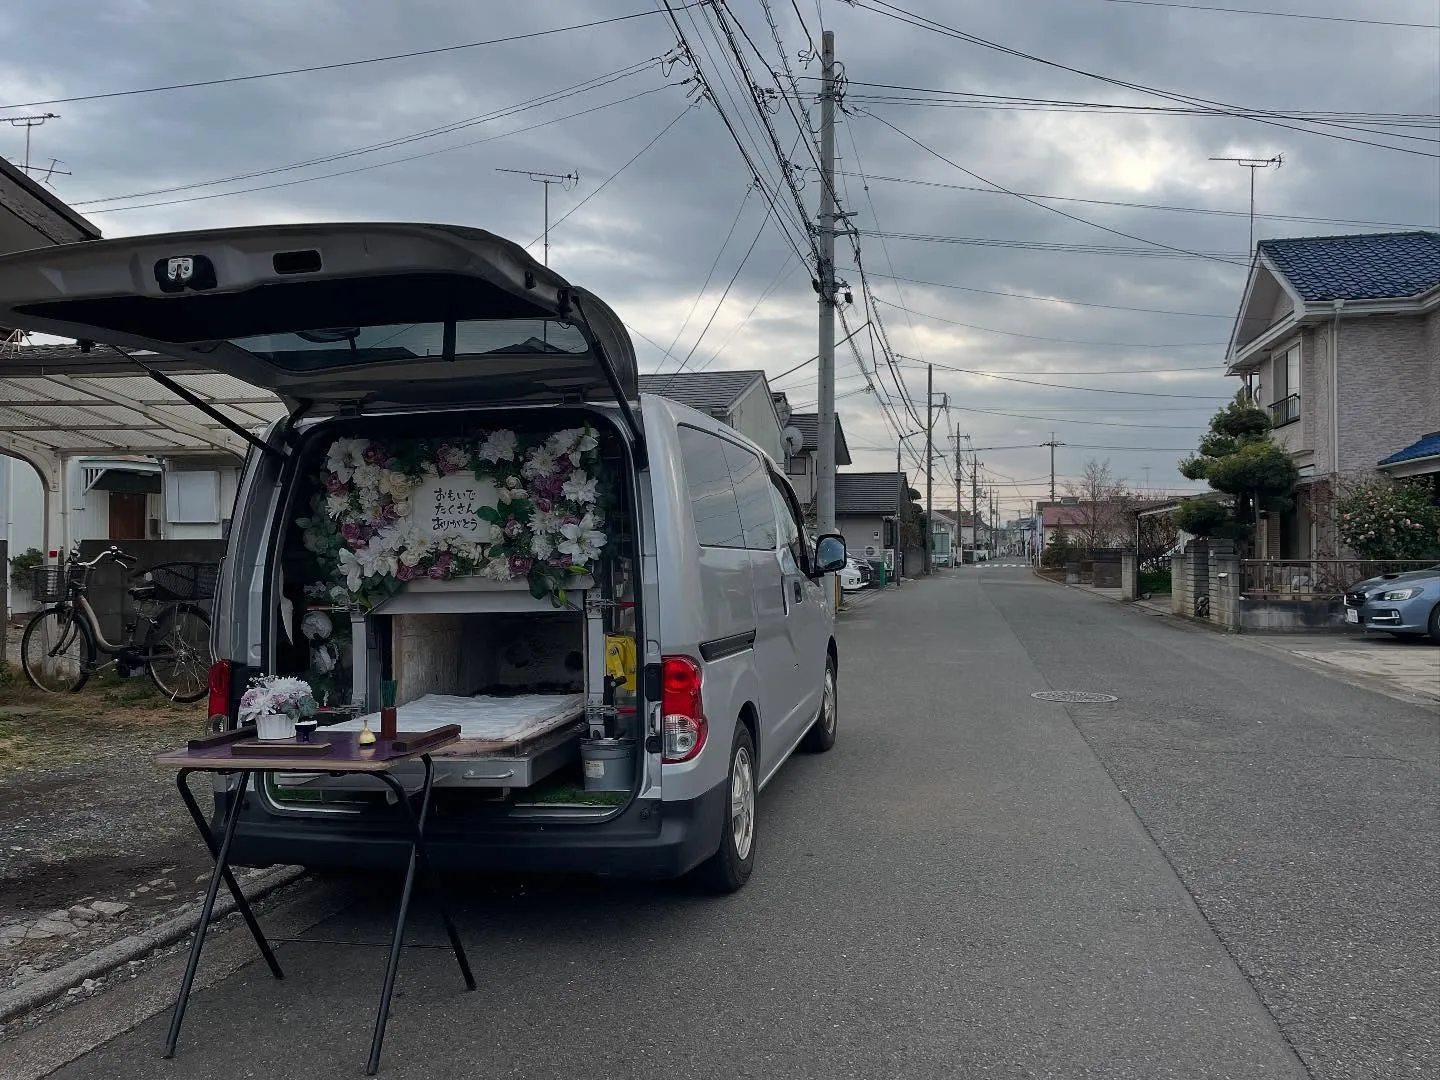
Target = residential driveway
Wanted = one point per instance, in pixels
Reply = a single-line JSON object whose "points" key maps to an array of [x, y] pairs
{"points": [[1409, 666], [1228, 872]]}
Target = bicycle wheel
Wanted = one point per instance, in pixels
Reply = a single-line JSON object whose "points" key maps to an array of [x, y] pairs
{"points": [[177, 652], [57, 651]]}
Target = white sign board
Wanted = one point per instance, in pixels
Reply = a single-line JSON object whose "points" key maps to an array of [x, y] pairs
{"points": [[448, 508]]}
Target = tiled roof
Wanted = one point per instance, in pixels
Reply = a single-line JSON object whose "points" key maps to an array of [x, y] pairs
{"points": [[1429, 446], [868, 493], [1375, 266], [1052, 516], [708, 391], [809, 425]]}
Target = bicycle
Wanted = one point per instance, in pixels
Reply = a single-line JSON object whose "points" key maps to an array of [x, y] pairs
{"points": [[61, 644]]}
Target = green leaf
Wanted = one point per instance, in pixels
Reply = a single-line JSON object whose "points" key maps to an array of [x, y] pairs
{"points": [[490, 514]]}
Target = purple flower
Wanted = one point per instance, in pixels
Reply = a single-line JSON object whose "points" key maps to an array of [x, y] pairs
{"points": [[513, 528], [334, 485], [520, 565], [559, 560], [543, 505], [375, 454], [352, 532], [407, 573], [436, 572]]}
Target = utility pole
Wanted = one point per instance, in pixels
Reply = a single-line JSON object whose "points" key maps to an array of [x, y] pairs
{"points": [[974, 503], [1052, 444], [825, 459], [568, 180], [929, 538], [959, 501], [1252, 164]]}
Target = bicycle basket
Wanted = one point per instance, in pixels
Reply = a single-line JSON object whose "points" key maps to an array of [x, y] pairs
{"points": [[184, 581], [47, 585]]}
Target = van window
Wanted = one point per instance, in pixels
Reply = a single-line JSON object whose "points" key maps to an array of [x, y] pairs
{"points": [[752, 492], [792, 533], [712, 493]]}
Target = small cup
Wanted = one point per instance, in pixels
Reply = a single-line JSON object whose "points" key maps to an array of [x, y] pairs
{"points": [[304, 729]]}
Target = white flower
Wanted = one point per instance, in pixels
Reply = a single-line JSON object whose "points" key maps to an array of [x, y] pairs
{"points": [[498, 446], [343, 456], [323, 658], [543, 522], [395, 484], [588, 440], [367, 477], [582, 541], [353, 569], [316, 625], [335, 505], [579, 488], [455, 458], [541, 463], [496, 570], [542, 546]]}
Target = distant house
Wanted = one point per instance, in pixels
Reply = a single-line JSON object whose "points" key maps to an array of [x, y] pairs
{"points": [[863, 503], [741, 399], [1339, 338], [802, 467]]}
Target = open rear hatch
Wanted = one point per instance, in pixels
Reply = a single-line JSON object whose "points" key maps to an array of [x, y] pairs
{"points": [[335, 317]]}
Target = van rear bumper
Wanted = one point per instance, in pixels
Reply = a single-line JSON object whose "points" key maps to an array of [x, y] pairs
{"points": [[651, 839]]}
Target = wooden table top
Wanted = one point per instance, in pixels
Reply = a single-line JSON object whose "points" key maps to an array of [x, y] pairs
{"points": [[238, 750]]}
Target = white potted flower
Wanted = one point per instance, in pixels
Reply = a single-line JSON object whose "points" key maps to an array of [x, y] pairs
{"points": [[274, 702]]}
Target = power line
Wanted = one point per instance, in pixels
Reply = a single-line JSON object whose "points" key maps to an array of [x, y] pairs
{"points": [[1035, 202], [550, 98], [1057, 247], [714, 263], [336, 66], [921, 22], [1062, 420], [1067, 386], [1302, 218], [1276, 14], [380, 164], [724, 295], [1041, 337]]}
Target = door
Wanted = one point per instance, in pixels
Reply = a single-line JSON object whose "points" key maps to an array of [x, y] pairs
{"points": [[127, 516], [334, 316], [807, 615]]}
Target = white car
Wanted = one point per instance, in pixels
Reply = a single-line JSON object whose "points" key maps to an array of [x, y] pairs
{"points": [[856, 575]]}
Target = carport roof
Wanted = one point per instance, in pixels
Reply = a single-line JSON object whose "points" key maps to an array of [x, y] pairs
{"points": [[59, 402]]}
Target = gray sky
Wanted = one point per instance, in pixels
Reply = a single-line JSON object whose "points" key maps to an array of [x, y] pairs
{"points": [[648, 239]]}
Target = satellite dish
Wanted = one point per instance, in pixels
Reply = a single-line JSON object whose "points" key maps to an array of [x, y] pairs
{"points": [[793, 438]]}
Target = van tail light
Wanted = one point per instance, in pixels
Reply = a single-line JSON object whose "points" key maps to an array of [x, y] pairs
{"points": [[220, 689], [681, 708]]}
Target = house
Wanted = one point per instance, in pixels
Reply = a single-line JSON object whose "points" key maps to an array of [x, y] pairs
{"points": [[961, 528], [31, 216], [741, 399], [1338, 337], [803, 467], [866, 505], [1058, 520]]}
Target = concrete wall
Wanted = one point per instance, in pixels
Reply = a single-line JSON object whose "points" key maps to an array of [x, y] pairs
{"points": [[1389, 389]]}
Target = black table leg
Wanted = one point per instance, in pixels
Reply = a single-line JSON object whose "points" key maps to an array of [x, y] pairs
{"points": [[207, 909], [241, 904], [418, 856]]}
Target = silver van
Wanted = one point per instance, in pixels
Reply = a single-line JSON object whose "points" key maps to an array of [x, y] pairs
{"points": [[472, 514]]}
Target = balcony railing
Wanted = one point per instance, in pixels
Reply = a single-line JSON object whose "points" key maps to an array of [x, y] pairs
{"points": [[1317, 579], [1285, 411]]}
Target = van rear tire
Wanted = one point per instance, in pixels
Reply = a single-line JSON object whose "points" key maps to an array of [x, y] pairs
{"points": [[730, 867], [821, 736]]}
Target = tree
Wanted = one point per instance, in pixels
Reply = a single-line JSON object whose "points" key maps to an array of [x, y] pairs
{"points": [[1247, 470], [1101, 514], [1385, 519], [1158, 535]]}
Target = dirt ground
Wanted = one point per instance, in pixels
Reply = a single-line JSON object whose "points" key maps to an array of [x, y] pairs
{"points": [[86, 816]]}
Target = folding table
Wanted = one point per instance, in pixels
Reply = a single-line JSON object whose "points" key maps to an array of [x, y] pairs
{"points": [[240, 753]]}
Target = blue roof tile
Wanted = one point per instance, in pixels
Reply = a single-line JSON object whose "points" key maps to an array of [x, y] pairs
{"points": [[1373, 266], [1429, 446]]}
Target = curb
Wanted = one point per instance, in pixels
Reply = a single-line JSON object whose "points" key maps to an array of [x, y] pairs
{"points": [[49, 985]]}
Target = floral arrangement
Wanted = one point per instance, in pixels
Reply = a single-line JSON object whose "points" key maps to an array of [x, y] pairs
{"points": [[1389, 520], [544, 522], [277, 694]]}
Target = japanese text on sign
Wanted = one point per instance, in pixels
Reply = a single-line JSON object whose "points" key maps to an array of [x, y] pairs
{"points": [[449, 508]]}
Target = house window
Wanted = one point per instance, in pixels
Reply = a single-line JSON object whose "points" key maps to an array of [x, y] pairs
{"points": [[192, 498], [796, 465], [1285, 374]]}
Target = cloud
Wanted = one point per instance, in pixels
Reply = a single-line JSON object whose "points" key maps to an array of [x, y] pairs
{"points": [[646, 241]]}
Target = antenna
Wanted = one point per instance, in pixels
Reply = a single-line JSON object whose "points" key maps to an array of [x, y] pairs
{"points": [[566, 180], [28, 122], [1252, 164]]}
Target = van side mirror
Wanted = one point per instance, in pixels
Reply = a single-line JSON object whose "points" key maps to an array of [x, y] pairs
{"points": [[830, 553]]}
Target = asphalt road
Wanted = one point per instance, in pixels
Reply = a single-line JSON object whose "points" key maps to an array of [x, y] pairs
{"points": [[1229, 872]]}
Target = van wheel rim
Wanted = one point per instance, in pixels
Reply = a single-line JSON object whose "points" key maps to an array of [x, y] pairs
{"points": [[829, 703], [742, 804]]}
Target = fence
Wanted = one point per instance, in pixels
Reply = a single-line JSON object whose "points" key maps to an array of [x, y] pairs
{"points": [[1283, 579]]}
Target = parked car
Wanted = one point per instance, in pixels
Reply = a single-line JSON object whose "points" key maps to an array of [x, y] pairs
{"points": [[1400, 604], [856, 575], [471, 374]]}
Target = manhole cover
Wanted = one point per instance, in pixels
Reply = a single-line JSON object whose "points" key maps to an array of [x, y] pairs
{"points": [[1072, 695]]}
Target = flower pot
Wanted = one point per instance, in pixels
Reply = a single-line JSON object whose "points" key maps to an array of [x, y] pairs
{"points": [[274, 726]]}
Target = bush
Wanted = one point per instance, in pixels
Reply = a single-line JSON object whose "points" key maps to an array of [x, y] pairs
{"points": [[1154, 581], [22, 564], [1386, 520]]}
